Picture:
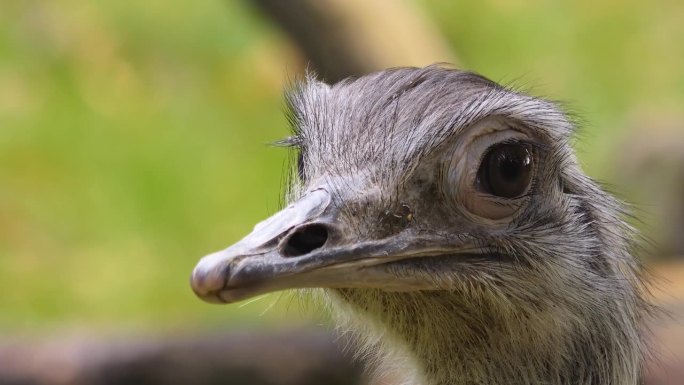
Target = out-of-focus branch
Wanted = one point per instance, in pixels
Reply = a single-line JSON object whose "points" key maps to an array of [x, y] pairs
{"points": [[351, 37], [264, 358]]}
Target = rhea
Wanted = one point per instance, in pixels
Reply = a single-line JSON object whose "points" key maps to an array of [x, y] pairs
{"points": [[446, 221]]}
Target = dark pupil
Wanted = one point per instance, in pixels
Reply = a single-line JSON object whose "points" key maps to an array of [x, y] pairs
{"points": [[506, 170]]}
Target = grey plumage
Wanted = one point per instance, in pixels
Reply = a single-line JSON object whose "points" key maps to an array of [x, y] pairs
{"points": [[541, 288]]}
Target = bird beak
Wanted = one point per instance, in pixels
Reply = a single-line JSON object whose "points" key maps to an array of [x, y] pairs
{"points": [[302, 247]]}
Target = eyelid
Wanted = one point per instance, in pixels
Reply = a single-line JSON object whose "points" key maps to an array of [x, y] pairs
{"points": [[463, 165]]}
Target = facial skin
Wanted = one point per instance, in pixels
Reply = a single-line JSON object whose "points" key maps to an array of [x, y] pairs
{"points": [[451, 213]]}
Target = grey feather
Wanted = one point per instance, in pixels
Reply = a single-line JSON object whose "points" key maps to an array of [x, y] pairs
{"points": [[567, 306]]}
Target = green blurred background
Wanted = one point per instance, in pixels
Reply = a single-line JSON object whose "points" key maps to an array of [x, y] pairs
{"points": [[134, 136]]}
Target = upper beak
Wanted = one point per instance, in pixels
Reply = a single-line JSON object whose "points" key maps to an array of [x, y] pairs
{"points": [[302, 246]]}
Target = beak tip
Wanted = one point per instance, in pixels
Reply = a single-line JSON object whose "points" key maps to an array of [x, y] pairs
{"points": [[208, 281]]}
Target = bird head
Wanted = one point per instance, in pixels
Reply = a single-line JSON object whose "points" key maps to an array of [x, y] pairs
{"points": [[432, 185], [420, 179]]}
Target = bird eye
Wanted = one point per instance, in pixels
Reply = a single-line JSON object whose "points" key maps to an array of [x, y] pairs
{"points": [[506, 170]]}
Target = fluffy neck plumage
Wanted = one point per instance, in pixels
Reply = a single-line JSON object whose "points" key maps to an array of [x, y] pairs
{"points": [[433, 338]]}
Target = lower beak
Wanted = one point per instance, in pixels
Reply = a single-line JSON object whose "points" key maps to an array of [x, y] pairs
{"points": [[303, 247]]}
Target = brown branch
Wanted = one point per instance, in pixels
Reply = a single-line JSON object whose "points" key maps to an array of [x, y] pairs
{"points": [[264, 358], [352, 37]]}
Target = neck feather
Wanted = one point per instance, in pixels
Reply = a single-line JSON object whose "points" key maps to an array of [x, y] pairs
{"points": [[433, 338]]}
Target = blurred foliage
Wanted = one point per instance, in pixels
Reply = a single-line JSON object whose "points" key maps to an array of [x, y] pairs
{"points": [[132, 142], [133, 134]]}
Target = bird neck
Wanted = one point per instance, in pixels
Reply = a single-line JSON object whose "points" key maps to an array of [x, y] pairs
{"points": [[447, 342]]}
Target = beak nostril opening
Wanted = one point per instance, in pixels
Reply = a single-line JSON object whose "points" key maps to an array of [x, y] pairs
{"points": [[305, 240]]}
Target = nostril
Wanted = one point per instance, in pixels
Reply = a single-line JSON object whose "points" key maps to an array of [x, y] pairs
{"points": [[305, 240]]}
